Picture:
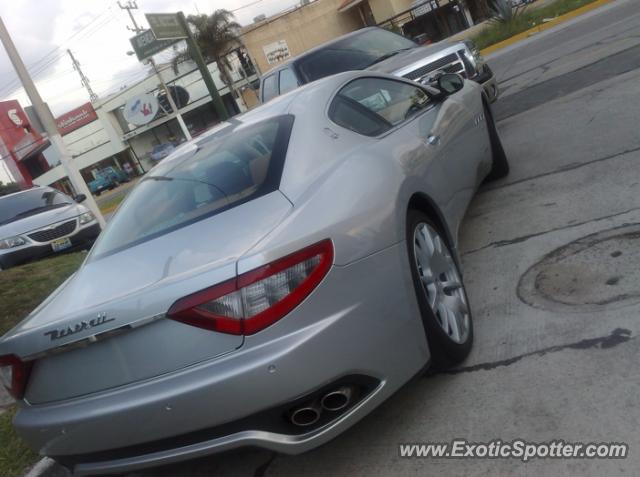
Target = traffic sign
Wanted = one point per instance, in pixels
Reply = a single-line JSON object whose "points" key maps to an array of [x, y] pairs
{"points": [[166, 26], [146, 45]]}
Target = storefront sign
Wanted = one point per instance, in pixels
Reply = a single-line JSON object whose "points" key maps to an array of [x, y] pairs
{"points": [[141, 109], [165, 26], [146, 45], [76, 118], [14, 117], [276, 52]]}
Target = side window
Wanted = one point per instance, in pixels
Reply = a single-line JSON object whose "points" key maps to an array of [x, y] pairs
{"points": [[288, 81], [270, 87], [383, 102]]}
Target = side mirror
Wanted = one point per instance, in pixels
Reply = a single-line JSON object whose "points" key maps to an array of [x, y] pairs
{"points": [[80, 198], [450, 83]]}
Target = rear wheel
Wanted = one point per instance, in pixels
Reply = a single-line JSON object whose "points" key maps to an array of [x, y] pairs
{"points": [[500, 166], [442, 299]]}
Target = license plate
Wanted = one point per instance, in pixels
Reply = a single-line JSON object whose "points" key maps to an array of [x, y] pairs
{"points": [[61, 244]]}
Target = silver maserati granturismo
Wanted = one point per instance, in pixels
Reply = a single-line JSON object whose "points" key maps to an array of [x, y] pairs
{"points": [[268, 284]]}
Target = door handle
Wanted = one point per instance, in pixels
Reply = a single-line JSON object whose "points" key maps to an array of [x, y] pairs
{"points": [[433, 139]]}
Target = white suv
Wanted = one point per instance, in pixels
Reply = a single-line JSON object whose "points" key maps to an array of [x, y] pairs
{"points": [[380, 50]]}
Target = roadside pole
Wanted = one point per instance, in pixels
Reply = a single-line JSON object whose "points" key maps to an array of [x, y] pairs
{"points": [[49, 123], [196, 55], [172, 103], [137, 29]]}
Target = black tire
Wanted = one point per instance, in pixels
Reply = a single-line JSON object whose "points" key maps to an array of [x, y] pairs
{"points": [[444, 351], [500, 166]]}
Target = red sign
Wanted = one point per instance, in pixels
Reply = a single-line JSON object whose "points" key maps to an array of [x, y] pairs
{"points": [[20, 142], [76, 118]]}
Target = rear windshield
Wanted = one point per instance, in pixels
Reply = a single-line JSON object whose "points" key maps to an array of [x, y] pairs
{"points": [[355, 52], [24, 204], [237, 165]]}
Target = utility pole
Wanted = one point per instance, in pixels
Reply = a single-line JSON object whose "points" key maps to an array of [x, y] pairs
{"points": [[83, 79], [132, 5], [49, 123]]}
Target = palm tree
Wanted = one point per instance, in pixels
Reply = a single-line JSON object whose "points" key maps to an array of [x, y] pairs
{"points": [[217, 35]]}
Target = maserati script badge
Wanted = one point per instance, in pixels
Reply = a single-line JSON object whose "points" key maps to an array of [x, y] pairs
{"points": [[100, 320]]}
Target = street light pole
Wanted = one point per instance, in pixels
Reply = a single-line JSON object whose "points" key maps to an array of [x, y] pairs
{"points": [[49, 123], [137, 29]]}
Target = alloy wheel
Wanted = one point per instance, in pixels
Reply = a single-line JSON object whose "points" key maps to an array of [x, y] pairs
{"points": [[441, 282]]}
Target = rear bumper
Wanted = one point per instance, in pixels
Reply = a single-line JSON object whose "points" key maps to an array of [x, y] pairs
{"points": [[83, 237], [362, 321]]}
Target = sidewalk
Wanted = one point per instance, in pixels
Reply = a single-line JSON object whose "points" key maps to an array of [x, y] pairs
{"points": [[474, 30]]}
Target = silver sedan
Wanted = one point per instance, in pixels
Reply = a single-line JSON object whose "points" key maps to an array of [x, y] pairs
{"points": [[268, 284]]}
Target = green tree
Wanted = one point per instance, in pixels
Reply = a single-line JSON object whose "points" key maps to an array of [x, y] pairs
{"points": [[217, 35], [8, 188]]}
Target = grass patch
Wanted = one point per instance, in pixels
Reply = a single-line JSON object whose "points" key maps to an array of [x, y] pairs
{"points": [[529, 18], [15, 456], [110, 204], [23, 288]]}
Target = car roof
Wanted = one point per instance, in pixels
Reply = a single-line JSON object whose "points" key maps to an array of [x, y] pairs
{"points": [[34, 187]]}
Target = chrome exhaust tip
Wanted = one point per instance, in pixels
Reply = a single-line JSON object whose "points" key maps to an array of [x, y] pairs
{"points": [[305, 416], [337, 399]]}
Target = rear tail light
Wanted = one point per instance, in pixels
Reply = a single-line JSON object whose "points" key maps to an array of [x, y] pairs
{"points": [[259, 298], [14, 375]]}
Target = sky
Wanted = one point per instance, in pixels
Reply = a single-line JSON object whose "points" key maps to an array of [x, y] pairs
{"points": [[96, 32]]}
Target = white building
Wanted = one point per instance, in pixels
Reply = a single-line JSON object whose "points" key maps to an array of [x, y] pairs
{"points": [[110, 140]]}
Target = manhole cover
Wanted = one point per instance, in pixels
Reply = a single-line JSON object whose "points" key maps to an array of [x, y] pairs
{"points": [[598, 270]]}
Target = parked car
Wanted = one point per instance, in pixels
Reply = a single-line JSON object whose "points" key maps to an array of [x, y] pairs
{"points": [[161, 151], [107, 179], [42, 221], [268, 286], [377, 49]]}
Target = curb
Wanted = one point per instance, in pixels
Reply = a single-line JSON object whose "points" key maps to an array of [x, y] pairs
{"points": [[545, 26], [40, 468]]}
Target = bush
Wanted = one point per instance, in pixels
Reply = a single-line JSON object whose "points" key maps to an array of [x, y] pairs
{"points": [[9, 188], [521, 19]]}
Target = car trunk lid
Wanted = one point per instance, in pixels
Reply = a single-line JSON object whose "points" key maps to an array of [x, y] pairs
{"points": [[106, 326]]}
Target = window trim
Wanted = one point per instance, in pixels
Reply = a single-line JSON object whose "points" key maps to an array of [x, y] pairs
{"points": [[435, 101], [276, 75], [362, 109], [280, 76]]}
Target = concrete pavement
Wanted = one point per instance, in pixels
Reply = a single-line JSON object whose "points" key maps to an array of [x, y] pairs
{"points": [[549, 362]]}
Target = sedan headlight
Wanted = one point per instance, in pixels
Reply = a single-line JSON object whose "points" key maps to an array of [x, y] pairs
{"points": [[11, 242], [86, 218]]}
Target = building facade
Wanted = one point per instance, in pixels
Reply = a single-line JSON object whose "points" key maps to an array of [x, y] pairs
{"points": [[275, 39], [21, 145]]}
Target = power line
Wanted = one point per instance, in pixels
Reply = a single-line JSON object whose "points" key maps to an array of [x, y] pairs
{"points": [[245, 6], [59, 47], [41, 65]]}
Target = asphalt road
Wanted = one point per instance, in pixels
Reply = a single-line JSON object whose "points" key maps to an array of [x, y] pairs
{"points": [[552, 258]]}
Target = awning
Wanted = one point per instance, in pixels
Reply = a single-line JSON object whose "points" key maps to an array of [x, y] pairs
{"points": [[29, 145], [347, 4]]}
